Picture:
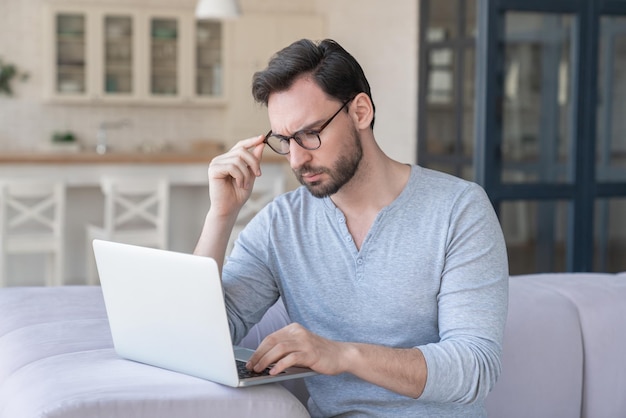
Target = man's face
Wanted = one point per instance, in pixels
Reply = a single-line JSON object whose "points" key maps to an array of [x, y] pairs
{"points": [[306, 107]]}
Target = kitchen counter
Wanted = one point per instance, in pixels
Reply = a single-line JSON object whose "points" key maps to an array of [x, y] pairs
{"points": [[80, 169], [118, 157], [109, 158]]}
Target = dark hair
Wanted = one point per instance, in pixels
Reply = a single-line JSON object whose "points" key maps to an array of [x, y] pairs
{"points": [[336, 71]]}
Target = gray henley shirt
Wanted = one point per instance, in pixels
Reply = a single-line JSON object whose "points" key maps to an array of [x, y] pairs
{"points": [[431, 273]]}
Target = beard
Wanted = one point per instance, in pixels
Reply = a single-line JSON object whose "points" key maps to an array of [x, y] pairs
{"points": [[341, 173]]}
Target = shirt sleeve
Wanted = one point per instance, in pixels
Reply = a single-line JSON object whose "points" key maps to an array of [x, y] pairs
{"points": [[472, 305], [249, 286]]}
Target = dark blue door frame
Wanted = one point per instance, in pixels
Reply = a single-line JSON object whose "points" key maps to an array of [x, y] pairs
{"points": [[582, 192]]}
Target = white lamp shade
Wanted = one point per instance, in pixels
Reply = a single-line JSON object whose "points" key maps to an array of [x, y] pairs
{"points": [[217, 9]]}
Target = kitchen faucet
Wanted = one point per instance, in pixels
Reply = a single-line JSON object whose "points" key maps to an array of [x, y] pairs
{"points": [[101, 136]]}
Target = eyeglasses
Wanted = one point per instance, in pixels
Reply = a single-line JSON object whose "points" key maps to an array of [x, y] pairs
{"points": [[308, 139]]}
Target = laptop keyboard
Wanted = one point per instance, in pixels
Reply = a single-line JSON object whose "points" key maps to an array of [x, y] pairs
{"points": [[245, 373]]}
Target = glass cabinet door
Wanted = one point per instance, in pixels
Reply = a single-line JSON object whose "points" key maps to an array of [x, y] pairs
{"points": [[71, 54], [164, 55], [118, 55], [208, 63]]}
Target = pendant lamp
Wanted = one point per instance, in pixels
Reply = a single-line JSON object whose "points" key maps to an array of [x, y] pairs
{"points": [[217, 9]]}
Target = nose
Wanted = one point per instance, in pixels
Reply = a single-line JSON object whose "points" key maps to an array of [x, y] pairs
{"points": [[298, 156]]}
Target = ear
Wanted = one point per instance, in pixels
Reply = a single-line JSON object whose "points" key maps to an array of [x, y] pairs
{"points": [[362, 111]]}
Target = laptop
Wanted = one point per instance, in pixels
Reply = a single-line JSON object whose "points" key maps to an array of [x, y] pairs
{"points": [[166, 309]]}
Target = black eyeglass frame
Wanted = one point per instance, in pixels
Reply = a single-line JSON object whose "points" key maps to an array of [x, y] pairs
{"points": [[307, 131]]}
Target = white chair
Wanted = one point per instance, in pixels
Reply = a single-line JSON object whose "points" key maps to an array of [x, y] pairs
{"points": [[265, 190], [136, 211], [32, 221]]}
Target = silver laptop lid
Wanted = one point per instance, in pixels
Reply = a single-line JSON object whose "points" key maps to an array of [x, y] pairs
{"points": [[167, 309]]}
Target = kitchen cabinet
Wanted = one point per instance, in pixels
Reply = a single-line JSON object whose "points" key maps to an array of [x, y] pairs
{"points": [[131, 55]]}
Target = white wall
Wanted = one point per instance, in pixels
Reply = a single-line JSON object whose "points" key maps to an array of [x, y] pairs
{"points": [[382, 36]]}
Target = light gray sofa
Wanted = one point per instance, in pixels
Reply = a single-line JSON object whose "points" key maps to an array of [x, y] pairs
{"points": [[564, 352], [564, 356]]}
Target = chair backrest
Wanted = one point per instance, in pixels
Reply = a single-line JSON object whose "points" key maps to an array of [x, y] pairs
{"points": [[32, 207], [136, 204]]}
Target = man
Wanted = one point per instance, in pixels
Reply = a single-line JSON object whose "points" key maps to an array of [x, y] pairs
{"points": [[395, 276]]}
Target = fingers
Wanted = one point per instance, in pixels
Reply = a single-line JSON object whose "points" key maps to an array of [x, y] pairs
{"points": [[254, 148], [289, 360], [233, 167], [290, 346], [241, 164], [257, 150], [268, 352]]}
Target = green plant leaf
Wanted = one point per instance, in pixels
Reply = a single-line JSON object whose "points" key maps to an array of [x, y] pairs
{"points": [[7, 73]]}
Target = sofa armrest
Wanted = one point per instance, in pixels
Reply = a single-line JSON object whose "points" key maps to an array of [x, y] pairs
{"points": [[542, 356], [563, 349], [57, 359]]}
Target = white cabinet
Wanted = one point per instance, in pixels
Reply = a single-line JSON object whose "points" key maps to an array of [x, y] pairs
{"points": [[131, 55]]}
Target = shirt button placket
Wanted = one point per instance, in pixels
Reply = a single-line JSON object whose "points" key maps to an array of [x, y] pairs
{"points": [[360, 268]]}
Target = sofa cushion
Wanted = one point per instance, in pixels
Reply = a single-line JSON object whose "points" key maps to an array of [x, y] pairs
{"points": [[542, 356]]}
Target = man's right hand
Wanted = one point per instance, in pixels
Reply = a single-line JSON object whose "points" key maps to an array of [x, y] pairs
{"points": [[232, 176]]}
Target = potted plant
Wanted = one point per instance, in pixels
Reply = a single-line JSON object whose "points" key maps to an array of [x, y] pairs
{"points": [[8, 72]]}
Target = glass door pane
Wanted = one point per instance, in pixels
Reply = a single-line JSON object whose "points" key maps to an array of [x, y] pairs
{"points": [[551, 124], [610, 235], [208, 58], [611, 141], [535, 232], [71, 53], [537, 105], [164, 57], [118, 54]]}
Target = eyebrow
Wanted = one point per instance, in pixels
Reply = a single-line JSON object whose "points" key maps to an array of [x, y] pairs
{"points": [[308, 127]]}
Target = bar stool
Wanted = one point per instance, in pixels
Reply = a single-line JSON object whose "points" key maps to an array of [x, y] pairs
{"points": [[32, 221], [136, 211]]}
